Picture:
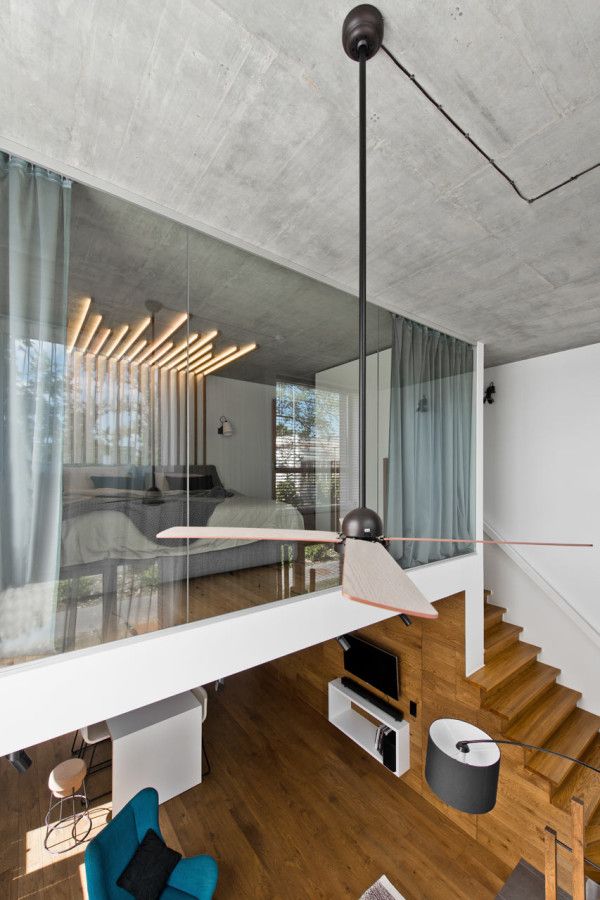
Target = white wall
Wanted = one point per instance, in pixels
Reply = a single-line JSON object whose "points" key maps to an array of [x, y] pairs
{"points": [[244, 460], [542, 482]]}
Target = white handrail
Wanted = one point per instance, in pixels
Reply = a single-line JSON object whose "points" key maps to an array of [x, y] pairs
{"points": [[559, 599]]}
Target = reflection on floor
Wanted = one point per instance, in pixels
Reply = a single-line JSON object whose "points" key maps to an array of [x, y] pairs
{"points": [[291, 810], [86, 615]]}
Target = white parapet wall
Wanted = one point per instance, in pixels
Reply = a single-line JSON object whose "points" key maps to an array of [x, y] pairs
{"points": [[43, 699]]}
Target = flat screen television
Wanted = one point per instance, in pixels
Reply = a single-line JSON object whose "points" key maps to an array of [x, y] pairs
{"points": [[374, 665]]}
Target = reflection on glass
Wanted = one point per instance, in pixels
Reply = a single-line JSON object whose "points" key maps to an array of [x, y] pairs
{"points": [[127, 341]]}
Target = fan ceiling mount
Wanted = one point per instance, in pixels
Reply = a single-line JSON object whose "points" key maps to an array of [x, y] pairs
{"points": [[370, 574]]}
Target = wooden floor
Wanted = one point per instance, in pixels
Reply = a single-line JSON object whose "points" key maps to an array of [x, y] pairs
{"points": [[292, 809]]}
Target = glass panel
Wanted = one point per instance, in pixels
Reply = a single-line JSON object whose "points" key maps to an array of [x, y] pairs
{"points": [[153, 376], [125, 424], [280, 462]]}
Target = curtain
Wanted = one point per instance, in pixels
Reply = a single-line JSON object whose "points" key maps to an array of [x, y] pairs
{"points": [[430, 481], [108, 410], [34, 262]]}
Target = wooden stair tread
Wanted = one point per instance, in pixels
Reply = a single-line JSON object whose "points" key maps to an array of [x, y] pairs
{"points": [[499, 637], [543, 717], [573, 737], [492, 614], [586, 785], [504, 666], [514, 697]]}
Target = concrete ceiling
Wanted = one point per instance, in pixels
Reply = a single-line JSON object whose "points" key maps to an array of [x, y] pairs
{"points": [[242, 118], [123, 255]]}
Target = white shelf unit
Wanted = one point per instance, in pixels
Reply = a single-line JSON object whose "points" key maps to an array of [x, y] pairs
{"points": [[361, 730]]}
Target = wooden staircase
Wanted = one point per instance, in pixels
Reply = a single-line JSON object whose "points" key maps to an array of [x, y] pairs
{"points": [[523, 697]]}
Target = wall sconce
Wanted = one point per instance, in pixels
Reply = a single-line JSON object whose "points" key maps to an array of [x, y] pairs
{"points": [[225, 427], [488, 394]]}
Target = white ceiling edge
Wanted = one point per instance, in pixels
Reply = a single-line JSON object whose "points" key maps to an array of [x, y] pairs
{"points": [[89, 180]]}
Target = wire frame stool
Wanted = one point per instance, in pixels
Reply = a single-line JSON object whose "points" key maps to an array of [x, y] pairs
{"points": [[72, 807]]}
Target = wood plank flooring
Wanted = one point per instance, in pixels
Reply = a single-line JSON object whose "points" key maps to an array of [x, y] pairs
{"points": [[291, 810]]}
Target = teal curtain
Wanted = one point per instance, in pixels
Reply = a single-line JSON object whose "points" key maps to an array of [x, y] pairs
{"points": [[35, 210], [430, 471]]}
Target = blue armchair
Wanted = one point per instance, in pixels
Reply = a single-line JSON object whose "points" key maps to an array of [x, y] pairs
{"points": [[108, 854]]}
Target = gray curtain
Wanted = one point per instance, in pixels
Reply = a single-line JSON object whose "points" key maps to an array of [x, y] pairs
{"points": [[430, 473], [35, 210]]}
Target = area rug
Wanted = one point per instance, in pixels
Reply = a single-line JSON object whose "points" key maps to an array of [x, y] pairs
{"points": [[383, 889]]}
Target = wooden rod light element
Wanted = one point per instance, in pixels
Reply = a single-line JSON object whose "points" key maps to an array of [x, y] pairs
{"points": [[90, 331], [101, 339], [183, 345], [215, 364], [75, 326], [116, 339], [133, 336]]}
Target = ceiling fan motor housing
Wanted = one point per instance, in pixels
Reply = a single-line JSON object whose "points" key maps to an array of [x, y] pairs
{"points": [[362, 26], [362, 523]]}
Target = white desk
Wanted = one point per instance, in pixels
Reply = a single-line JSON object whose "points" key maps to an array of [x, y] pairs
{"points": [[158, 746]]}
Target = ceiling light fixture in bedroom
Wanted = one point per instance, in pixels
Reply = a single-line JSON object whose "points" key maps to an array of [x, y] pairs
{"points": [[182, 347], [136, 350], [101, 339], [172, 328], [197, 362], [75, 324], [370, 575], [134, 334], [239, 353], [117, 337], [87, 335]]}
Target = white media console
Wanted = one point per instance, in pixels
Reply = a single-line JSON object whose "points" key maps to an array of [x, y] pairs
{"points": [[361, 730]]}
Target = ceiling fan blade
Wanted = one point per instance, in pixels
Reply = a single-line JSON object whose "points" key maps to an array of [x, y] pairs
{"points": [[250, 534], [437, 540], [372, 576]]}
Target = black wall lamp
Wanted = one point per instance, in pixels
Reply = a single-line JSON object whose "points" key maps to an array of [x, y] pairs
{"points": [[488, 394], [225, 428]]}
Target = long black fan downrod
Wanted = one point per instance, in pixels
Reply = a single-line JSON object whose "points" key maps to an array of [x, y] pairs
{"points": [[362, 36]]}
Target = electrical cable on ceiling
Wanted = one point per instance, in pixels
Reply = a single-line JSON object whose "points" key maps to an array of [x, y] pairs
{"points": [[474, 143]]}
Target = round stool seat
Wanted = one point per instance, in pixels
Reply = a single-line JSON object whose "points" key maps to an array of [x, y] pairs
{"points": [[67, 777]]}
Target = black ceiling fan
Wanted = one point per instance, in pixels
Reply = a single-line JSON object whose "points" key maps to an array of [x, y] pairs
{"points": [[370, 574]]}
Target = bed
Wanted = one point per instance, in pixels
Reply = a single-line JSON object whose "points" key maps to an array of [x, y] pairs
{"points": [[106, 517]]}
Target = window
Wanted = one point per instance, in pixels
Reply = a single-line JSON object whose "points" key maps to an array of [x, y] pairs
{"points": [[307, 452]]}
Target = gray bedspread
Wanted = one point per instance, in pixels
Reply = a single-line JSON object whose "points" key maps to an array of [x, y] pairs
{"points": [[150, 518]]}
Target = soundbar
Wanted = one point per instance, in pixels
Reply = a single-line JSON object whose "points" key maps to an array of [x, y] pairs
{"points": [[383, 705]]}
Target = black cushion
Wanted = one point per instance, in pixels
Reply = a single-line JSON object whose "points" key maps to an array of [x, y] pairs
{"points": [[120, 482], [147, 872], [196, 482]]}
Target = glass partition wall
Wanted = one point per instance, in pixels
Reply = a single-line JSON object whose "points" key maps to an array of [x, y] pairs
{"points": [[153, 376]]}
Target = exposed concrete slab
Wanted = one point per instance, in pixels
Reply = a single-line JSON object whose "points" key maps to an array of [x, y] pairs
{"points": [[243, 117]]}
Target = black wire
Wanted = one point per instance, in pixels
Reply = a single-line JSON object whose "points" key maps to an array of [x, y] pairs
{"points": [[477, 146]]}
